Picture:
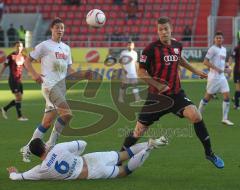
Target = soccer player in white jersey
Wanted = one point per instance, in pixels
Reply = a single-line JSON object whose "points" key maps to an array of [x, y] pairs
{"points": [[217, 82], [63, 161], [128, 59], [56, 61]]}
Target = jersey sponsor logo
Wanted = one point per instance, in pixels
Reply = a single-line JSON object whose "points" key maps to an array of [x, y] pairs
{"points": [[169, 58], [60, 55], [176, 50], [143, 58]]}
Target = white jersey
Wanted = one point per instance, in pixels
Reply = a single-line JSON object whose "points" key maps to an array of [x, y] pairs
{"points": [[217, 57], [61, 163], [55, 59], [129, 62]]}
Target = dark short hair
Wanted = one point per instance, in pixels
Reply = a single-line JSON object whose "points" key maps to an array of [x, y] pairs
{"points": [[18, 42], [218, 33], [130, 42], [37, 147], [164, 20], [56, 21]]}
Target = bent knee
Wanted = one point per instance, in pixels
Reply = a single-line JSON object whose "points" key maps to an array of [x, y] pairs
{"points": [[193, 114], [196, 118], [67, 117]]}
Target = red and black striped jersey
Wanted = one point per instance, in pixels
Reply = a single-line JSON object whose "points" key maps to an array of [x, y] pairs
{"points": [[236, 55], [162, 62], [15, 63]]}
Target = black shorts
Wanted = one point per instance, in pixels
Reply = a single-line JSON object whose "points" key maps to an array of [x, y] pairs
{"points": [[15, 86], [158, 105], [236, 77]]}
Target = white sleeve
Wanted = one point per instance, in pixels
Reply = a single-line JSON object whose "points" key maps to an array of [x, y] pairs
{"points": [[121, 55], [38, 52], [76, 147], [33, 174], [136, 57], [233, 53], [70, 57], [210, 53]]}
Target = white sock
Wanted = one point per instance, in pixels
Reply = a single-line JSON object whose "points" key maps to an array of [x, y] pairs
{"points": [[138, 160], [138, 147], [53, 138], [121, 94], [136, 94], [225, 107], [202, 104], [57, 130], [38, 133]]}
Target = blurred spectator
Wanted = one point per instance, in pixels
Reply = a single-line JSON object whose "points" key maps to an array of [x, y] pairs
{"points": [[135, 37], [117, 35], [187, 34], [12, 35], [118, 2], [21, 34], [72, 2], [1, 37], [132, 9], [1, 8]]}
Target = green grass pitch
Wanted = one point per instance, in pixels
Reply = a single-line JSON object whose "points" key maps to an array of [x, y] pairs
{"points": [[179, 166]]}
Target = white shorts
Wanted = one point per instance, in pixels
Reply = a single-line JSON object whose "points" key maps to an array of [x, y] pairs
{"points": [[128, 80], [102, 165], [54, 96], [217, 85]]}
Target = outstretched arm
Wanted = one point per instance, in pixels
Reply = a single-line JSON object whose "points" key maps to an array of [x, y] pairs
{"points": [[32, 174], [184, 63]]}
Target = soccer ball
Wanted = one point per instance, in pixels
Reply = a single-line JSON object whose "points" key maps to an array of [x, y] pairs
{"points": [[96, 18]]}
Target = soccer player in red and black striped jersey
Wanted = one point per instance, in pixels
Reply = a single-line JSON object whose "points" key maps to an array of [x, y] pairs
{"points": [[15, 62], [236, 74], [158, 67]]}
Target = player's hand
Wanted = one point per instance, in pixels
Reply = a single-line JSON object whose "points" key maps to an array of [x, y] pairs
{"points": [[12, 169], [38, 78], [163, 88], [219, 70], [202, 74], [228, 71]]}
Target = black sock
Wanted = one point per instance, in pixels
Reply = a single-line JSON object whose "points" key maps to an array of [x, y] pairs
{"points": [[236, 98], [11, 104], [202, 133], [18, 108], [129, 141]]}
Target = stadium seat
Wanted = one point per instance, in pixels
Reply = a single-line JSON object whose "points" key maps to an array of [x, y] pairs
{"points": [[148, 7], [180, 11]]}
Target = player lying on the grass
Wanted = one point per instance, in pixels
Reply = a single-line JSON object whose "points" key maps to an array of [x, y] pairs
{"points": [[63, 161]]}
